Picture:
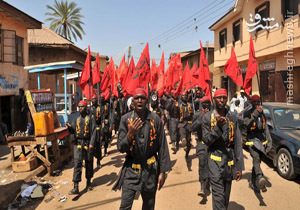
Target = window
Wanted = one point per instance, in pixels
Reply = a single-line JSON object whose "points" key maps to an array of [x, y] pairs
{"points": [[236, 30], [289, 8], [19, 43], [9, 46], [223, 37], [263, 11]]}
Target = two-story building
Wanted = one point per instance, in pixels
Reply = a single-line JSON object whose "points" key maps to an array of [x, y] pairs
{"points": [[274, 26], [14, 52]]}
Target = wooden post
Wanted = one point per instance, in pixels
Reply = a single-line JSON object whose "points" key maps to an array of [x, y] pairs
{"points": [[12, 153]]}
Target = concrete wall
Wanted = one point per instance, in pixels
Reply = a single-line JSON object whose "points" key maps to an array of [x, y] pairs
{"points": [[14, 73]]}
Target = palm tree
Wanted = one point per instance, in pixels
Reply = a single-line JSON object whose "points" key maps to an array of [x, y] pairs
{"points": [[66, 19]]}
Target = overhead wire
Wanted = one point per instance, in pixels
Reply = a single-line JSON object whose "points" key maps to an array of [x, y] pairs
{"points": [[190, 27]]}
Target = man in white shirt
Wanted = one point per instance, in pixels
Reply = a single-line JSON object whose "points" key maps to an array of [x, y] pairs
{"points": [[242, 98]]}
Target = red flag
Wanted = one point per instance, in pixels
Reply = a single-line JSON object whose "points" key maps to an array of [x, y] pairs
{"points": [[123, 70], [105, 79], [130, 70], [112, 73], [195, 74], [141, 75], [252, 68], [169, 78], [176, 70], [154, 75], [185, 82], [85, 76], [96, 71], [187, 78], [233, 70], [204, 75], [161, 76]]}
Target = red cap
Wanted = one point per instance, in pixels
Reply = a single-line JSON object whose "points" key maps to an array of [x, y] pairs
{"points": [[220, 92], [205, 98], [83, 103], [254, 97], [94, 96], [139, 91], [198, 91]]}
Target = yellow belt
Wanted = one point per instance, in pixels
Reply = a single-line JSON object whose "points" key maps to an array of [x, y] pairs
{"points": [[190, 122], [151, 160], [85, 147], [219, 159], [136, 168], [97, 128], [250, 143]]}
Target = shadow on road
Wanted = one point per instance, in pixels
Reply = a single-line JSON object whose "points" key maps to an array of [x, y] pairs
{"points": [[258, 195], [235, 206], [95, 204], [107, 178], [181, 183], [116, 161]]}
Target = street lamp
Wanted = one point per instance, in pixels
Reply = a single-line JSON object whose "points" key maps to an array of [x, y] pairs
{"points": [[129, 49]]}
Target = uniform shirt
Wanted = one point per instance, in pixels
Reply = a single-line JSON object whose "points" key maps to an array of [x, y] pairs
{"points": [[84, 129], [220, 153], [150, 141], [257, 129]]}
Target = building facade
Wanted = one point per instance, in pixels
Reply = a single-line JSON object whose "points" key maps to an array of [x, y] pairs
{"points": [[14, 56], [274, 27], [45, 46]]}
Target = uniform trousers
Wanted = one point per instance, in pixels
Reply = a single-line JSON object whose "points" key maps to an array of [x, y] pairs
{"points": [[220, 192], [186, 133], [128, 197], [256, 156], [98, 145], [173, 130], [79, 156]]}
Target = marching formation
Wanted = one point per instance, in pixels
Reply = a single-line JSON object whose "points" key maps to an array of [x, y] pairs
{"points": [[139, 104]]}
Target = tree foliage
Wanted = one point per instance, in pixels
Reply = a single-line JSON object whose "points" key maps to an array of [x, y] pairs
{"points": [[65, 19]]}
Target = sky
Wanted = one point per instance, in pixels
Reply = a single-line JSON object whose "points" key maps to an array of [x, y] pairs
{"points": [[113, 25]]}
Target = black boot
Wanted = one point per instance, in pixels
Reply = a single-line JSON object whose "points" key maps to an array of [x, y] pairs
{"points": [[98, 163], [89, 186], [201, 192], [262, 183], [75, 190]]}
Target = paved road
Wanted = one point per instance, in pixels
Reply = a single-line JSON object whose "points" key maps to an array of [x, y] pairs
{"points": [[180, 190]]}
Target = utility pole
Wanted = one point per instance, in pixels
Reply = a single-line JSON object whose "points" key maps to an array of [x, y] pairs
{"points": [[129, 54], [207, 43]]}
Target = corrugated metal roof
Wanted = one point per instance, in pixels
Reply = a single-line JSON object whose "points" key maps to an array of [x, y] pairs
{"points": [[46, 36]]}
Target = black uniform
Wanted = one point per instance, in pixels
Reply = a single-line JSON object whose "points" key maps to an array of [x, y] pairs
{"points": [[157, 109], [173, 113], [201, 149], [116, 114], [185, 123], [225, 155], [96, 112], [147, 156], [84, 130], [258, 139], [105, 121]]}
